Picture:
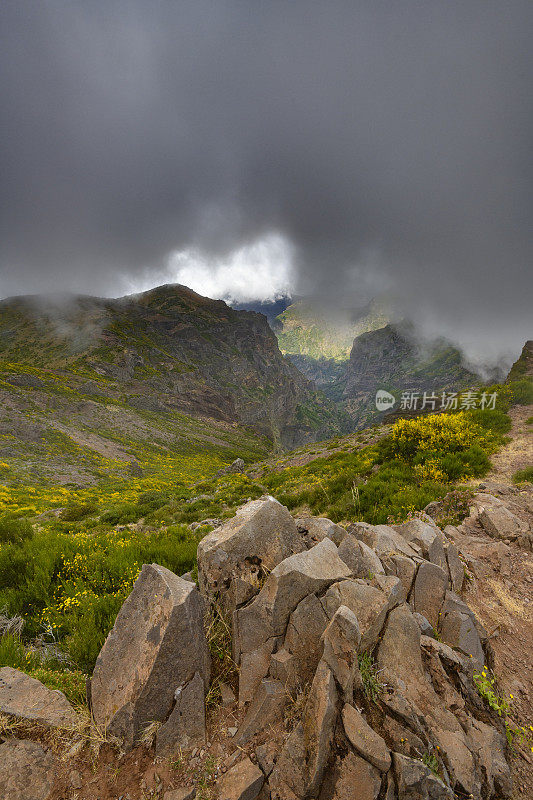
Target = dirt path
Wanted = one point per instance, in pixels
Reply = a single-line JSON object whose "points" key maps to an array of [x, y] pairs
{"points": [[519, 452]]}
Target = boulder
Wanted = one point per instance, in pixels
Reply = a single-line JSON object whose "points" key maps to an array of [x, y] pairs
{"points": [[26, 771], [314, 529], [233, 559], [244, 781], [427, 537], [27, 698], [429, 591], [265, 709], [319, 718], [369, 604], [365, 741], [253, 668], [426, 629], [185, 727], [361, 559], [288, 778], [489, 747], [286, 586], [356, 779], [303, 639], [155, 648], [384, 540], [458, 629], [500, 523], [456, 569], [415, 781], [341, 641], [404, 568]]}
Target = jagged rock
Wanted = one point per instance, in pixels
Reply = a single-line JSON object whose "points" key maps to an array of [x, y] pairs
{"points": [[429, 591], [314, 529], [426, 629], [284, 667], [427, 537], [341, 640], [459, 629], [26, 771], [456, 569], [25, 697], [404, 568], [288, 583], [266, 755], [357, 779], [361, 559], [391, 586], [265, 709], [253, 668], [303, 639], [320, 716], [403, 739], [156, 646], [232, 469], [444, 651], [500, 523], [489, 747], [185, 726], [364, 739], [226, 694], [288, 779], [415, 781], [384, 540], [244, 781], [369, 604], [232, 559]]}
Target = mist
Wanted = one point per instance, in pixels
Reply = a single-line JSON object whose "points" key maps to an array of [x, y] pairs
{"points": [[253, 150]]}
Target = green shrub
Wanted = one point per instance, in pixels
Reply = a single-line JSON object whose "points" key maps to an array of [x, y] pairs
{"points": [[522, 391], [73, 511], [523, 475], [14, 530]]}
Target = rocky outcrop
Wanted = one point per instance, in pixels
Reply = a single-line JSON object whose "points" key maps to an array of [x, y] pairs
{"points": [[155, 664], [26, 771]]}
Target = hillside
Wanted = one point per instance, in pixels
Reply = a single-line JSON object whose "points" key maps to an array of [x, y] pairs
{"points": [[85, 379]]}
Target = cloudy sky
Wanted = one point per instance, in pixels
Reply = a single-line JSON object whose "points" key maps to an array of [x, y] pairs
{"points": [[252, 148]]}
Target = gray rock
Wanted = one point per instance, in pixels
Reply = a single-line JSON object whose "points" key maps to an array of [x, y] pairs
{"points": [[253, 668], [429, 591], [233, 559], [369, 604], [303, 639], [320, 716], [181, 793], [455, 567], [266, 755], [288, 778], [384, 540], [25, 697], [458, 629], [415, 781], [226, 694], [314, 529], [156, 646], [185, 727], [489, 747], [341, 640], [288, 583], [427, 537], [244, 781], [357, 779], [500, 523], [404, 568], [426, 629], [365, 741], [26, 771], [361, 559], [265, 709], [232, 469]]}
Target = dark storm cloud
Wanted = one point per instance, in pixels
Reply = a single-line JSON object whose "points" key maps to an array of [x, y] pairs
{"points": [[389, 142]]}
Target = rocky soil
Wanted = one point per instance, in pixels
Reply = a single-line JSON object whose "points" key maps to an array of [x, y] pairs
{"points": [[312, 661]]}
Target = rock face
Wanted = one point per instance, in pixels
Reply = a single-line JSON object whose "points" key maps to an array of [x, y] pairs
{"points": [[26, 771], [25, 697], [243, 782], [156, 648]]}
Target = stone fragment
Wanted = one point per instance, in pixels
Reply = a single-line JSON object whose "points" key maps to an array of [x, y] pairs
{"points": [[489, 747], [185, 727], [26, 771], [314, 529], [429, 590], [265, 709], [25, 697], [500, 523], [391, 586], [319, 718], [341, 640], [156, 646], [181, 793], [284, 668], [244, 781], [254, 667], [404, 568], [384, 540], [426, 629], [365, 741], [266, 755], [226, 694], [361, 559], [288, 778], [458, 629], [369, 604], [288, 583], [233, 558], [415, 781], [357, 779], [455, 567], [303, 639], [427, 537]]}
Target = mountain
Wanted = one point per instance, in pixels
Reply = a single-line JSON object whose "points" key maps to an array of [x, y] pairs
{"points": [[168, 368], [270, 308], [523, 366], [395, 359]]}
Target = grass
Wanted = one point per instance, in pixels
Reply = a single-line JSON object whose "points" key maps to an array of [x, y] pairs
{"points": [[372, 685], [486, 684], [523, 475]]}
